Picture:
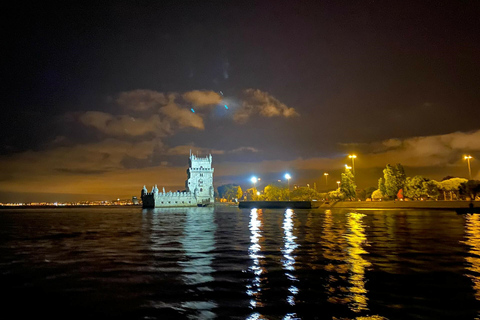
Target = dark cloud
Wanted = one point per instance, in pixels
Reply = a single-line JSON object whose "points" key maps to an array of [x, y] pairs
{"points": [[257, 102], [124, 125], [142, 100]]}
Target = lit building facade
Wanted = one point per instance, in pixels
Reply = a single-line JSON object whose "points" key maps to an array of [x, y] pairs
{"points": [[198, 188]]}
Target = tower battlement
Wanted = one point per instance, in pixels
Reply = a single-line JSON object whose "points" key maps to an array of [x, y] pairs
{"points": [[198, 187]]}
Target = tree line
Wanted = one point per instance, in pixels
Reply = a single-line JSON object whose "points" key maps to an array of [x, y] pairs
{"points": [[394, 185]]}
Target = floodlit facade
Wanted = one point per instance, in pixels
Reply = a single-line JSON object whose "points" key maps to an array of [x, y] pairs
{"points": [[198, 188]]}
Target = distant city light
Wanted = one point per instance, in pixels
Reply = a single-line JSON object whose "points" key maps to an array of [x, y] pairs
{"points": [[192, 110]]}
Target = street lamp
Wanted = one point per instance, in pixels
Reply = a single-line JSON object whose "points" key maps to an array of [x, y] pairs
{"points": [[338, 184], [353, 157], [254, 180], [468, 158], [288, 177], [347, 167], [326, 179]]}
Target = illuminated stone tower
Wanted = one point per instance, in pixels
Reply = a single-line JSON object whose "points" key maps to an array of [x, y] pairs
{"points": [[200, 179], [198, 188]]}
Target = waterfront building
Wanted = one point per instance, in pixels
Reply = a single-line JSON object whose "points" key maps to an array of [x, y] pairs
{"points": [[198, 187]]}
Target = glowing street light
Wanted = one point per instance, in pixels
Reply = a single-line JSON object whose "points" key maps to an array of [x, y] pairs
{"points": [[468, 158], [347, 167], [254, 181], [326, 179], [353, 157], [338, 184], [288, 177]]}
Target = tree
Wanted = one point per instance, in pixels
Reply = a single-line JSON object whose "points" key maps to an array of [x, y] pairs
{"points": [[416, 187], [239, 192], [230, 191], [276, 193], [451, 186], [470, 189], [377, 195], [323, 195], [394, 180], [336, 195], [361, 194], [347, 186], [369, 191], [252, 194], [381, 186], [432, 189], [304, 194]]}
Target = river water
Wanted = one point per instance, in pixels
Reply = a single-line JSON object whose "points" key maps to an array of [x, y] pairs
{"points": [[228, 263]]}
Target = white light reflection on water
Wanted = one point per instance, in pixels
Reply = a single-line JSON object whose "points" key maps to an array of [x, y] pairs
{"points": [[198, 243], [186, 235], [254, 289], [288, 260]]}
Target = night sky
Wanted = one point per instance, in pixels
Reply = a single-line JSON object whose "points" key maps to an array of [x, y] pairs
{"points": [[98, 96]]}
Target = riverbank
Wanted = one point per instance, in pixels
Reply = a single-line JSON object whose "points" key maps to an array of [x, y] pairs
{"points": [[441, 205], [277, 204], [359, 205]]}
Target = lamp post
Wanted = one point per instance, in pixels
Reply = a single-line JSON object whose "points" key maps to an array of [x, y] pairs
{"points": [[353, 157], [326, 179], [468, 158], [338, 184], [288, 177], [254, 181]]}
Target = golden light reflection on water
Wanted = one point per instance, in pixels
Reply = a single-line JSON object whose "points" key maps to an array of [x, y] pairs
{"points": [[375, 317], [343, 251], [334, 252], [473, 260], [357, 239]]}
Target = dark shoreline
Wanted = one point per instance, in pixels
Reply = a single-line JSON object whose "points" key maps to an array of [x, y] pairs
{"points": [[365, 205], [441, 205], [69, 206]]}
